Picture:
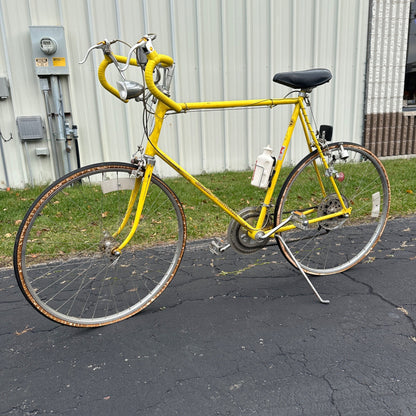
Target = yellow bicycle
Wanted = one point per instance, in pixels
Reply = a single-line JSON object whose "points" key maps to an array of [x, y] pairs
{"points": [[103, 242]]}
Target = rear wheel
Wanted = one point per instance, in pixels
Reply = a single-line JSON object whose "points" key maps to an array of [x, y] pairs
{"points": [[63, 256], [336, 244]]}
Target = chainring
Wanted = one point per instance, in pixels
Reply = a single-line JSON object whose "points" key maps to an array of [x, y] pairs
{"points": [[238, 236]]}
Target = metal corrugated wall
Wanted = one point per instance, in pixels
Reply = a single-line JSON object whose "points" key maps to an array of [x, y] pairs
{"points": [[224, 49]]}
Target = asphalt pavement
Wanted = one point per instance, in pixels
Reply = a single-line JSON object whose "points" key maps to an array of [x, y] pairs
{"points": [[231, 335]]}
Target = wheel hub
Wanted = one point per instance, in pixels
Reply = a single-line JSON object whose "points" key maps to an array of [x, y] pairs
{"points": [[330, 205], [108, 244]]}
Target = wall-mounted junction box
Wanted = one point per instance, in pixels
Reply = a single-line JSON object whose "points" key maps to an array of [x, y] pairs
{"points": [[30, 128], [4, 88]]}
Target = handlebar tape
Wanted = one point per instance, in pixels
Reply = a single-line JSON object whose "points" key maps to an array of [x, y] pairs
{"points": [[153, 59], [101, 73]]}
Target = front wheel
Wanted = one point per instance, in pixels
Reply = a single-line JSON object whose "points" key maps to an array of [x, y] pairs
{"points": [[64, 253], [334, 245]]}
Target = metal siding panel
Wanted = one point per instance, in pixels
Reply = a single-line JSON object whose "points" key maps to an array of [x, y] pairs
{"points": [[26, 98], [211, 73], [185, 140], [224, 49], [235, 71], [342, 70], [130, 27], [44, 13], [83, 83], [11, 149], [110, 109], [259, 76], [161, 21]]}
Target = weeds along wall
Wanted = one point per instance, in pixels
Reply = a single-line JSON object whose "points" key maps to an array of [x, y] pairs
{"points": [[223, 49]]}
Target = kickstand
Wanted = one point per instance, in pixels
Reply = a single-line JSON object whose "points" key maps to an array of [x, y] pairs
{"points": [[302, 271]]}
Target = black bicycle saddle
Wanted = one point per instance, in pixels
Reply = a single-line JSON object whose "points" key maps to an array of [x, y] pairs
{"points": [[303, 80]]}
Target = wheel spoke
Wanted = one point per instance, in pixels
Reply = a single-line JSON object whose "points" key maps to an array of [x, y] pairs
{"points": [[336, 244], [67, 270]]}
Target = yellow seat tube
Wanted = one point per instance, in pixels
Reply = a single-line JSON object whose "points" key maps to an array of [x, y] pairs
{"points": [[279, 164]]}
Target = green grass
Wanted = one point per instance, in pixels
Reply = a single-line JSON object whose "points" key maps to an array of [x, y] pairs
{"points": [[402, 177], [204, 219]]}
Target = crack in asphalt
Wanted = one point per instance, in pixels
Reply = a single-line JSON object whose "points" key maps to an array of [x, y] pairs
{"points": [[300, 364], [332, 396], [373, 292]]}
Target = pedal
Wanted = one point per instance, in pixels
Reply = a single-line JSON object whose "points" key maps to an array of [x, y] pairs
{"points": [[299, 220], [218, 245]]}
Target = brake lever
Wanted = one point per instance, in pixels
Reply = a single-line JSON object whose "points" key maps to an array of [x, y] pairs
{"points": [[146, 42], [104, 45], [139, 44]]}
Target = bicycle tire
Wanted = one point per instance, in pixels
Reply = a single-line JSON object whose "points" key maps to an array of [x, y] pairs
{"points": [[337, 244], [62, 255]]}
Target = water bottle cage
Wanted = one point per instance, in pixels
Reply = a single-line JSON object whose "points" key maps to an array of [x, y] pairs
{"points": [[325, 132], [273, 171]]}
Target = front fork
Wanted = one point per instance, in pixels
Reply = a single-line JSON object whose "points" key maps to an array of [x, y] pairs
{"points": [[141, 186], [143, 179]]}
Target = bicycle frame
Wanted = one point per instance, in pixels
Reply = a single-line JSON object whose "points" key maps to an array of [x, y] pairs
{"points": [[73, 268], [166, 104]]}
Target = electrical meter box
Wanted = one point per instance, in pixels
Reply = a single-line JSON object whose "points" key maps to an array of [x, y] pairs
{"points": [[49, 50]]}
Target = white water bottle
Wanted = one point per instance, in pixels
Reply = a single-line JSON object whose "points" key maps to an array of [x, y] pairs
{"points": [[263, 168]]}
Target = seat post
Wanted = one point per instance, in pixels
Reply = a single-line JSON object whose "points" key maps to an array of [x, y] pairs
{"points": [[305, 93]]}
